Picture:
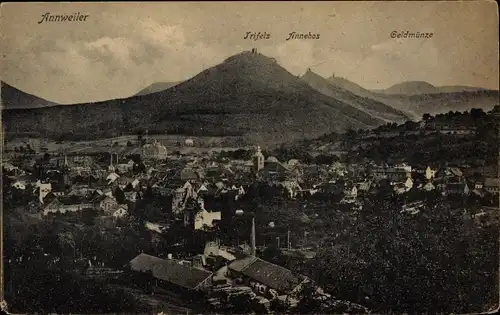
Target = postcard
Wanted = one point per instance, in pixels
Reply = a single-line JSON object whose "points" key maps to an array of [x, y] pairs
{"points": [[250, 157]]}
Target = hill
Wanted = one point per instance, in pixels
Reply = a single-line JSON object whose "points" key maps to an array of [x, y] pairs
{"points": [[422, 87], [156, 87], [366, 104], [248, 94], [15, 98], [350, 86], [410, 88]]}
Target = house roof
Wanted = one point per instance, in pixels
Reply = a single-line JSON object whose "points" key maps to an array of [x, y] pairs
{"points": [[170, 270], [271, 275], [460, 186], [455, 171], [492, 182]]}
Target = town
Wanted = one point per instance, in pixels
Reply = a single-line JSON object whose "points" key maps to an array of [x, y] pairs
{"points": [[191, 228], [250, 158]]}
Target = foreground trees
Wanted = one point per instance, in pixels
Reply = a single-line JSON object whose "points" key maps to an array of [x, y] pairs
{"points": [[435, 261]]}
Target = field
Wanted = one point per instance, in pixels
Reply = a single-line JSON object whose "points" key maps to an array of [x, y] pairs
{"points": [[129, 144]]}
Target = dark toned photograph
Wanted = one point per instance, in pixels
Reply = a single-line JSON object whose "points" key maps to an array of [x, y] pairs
{"points": [[250, 157]]}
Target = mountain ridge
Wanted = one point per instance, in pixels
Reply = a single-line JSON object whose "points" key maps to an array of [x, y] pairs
{"points": [[442, 101], [156, 87], [369, 105], [247, 94]]}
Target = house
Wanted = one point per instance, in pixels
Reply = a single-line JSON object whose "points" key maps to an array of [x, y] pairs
{"points": [[202, 189], [200, 217], [125, 167], [457, 189], [478, 184], [154, 227], [124, 181], [190, 174], [337, 169], [393, 173], [65, 206], [254, 270], [429, 186], [111, 178], [492, 185], [430, 173], [351, 191], [45, 188], [9, 168], [449, 173], [408, 183], [80, 190], [107, 204], [107, 192], [205, 218], [181, 195], [131, 196], [274, 169], [399, 188], [364, 186], [189, 142], [19, 184], [121, 212], [170, 274], [292, 188], [412, 207]]}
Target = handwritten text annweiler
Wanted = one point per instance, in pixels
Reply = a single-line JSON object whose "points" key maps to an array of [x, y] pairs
{"points": [[74, 17]]}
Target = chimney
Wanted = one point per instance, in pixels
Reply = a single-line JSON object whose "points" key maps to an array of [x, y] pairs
{"points": [[253, 251]]}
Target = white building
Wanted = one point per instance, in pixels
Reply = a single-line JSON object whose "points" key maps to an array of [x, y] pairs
{"points": [[45, 189], [154, 151], [430, 173], [189, 142]]}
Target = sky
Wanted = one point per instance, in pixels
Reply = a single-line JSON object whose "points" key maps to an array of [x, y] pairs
{"points": [[124, 47]]}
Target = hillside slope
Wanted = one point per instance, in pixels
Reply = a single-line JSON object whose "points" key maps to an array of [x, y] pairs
{"points": [[15, 98], [156, 87], [366, 104]]}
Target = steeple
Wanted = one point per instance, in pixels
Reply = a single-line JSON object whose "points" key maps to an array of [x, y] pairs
{"points": [[258, 160], [111, 168], [252, 238]]}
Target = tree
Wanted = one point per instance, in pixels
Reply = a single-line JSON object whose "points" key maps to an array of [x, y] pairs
{"points": [[120, 196], [148, 195], [477, 113], [274, 254], [89, 216], [426, 117]]}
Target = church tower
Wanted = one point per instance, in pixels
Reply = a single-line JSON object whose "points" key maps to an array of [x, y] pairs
{"points": [[258, 160], [111, 167]]}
